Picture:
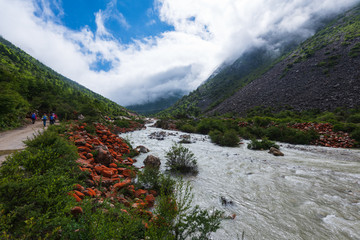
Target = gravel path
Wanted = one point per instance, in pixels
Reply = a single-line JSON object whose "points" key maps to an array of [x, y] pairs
{"points": [[13, 139]]}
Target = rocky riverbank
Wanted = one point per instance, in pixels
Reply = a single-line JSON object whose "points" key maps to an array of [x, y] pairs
{"points": [[106, 157]]}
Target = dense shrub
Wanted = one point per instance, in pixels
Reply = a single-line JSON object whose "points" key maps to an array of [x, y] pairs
{"points": [[356, 135], [122, 123], [285, 134], [181, 159], [261, 121], [355, 118], [206, 125], [264, 144], [188, 128], [33, 186], [230, 138], [187, 221]]}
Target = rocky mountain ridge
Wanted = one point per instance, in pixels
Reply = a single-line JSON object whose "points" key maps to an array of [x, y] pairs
{"points": [[323, 73]]}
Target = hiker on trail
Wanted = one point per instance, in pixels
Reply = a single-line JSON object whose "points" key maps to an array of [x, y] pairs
{"points": [[52, 118], [44, 118], [33, 117]]}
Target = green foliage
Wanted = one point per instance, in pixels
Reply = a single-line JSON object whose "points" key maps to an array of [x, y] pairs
{"points": [[355, 51], [181, 220], [188, 128], [264, 144], [180, 159], [230, 138], [33, 185], [208, 124], [101, 221], [356, 134], [13, 107], [355, 118], [27, 85], [34, 203], [122, 123]]}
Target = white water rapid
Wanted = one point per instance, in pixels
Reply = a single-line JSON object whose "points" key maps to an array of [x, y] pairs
{"points": [[310, 193]]}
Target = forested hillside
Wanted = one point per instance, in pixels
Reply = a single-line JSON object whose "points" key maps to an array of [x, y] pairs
{"points": [[27, 85]]}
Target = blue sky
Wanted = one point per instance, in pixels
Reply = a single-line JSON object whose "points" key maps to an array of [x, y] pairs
{"points": [[139, 20], [131, 51]]}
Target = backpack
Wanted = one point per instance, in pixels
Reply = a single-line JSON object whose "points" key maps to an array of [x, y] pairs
{"points": [[33, 116], [51, 117]]}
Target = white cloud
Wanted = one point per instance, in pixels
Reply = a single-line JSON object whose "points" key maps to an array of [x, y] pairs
{"points": [[206, 33]]}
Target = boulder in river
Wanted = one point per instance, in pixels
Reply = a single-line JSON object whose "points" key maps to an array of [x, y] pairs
{"points": [[152, 161], [142, 149], [275, 152]]}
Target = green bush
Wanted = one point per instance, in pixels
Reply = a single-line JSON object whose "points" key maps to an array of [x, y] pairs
{"points": [[188, 128], [261, 121], [230, 138], [181, 159], [344, 127], [285, 134], [34, 185], [355, 118], [356, 135], [264, 144], [186, 221], [122, 123], [206, 125]]}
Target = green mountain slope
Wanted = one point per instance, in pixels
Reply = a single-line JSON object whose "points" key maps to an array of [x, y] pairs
{"points": [[27, 85], [251, 66]]}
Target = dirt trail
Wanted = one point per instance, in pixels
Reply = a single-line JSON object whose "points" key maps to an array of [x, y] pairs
{"points": [[13, 139]]}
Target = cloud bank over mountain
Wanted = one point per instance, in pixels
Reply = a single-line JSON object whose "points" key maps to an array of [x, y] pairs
{"points": [[204, 34]]}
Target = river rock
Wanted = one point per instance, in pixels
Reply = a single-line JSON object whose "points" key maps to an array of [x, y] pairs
{"points": [[152, 161], [158, 135], [275, 152], [142, 149]]}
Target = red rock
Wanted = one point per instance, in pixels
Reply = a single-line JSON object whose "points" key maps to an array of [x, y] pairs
{"points": [[77, 198], [79, 194], [84, 163], [79, 187], [122, 184], [75, 211], [84, 149], [140, 192], [113, 165], [150, 199], [90, 192], [153, 192], [128, 173]]}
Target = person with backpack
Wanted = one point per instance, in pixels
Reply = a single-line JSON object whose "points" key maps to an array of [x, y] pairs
{"points": [[33, 117], [52, 119], [44, 118]]}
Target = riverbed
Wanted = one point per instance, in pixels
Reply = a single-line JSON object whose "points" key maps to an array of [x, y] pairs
{"points": [[310, 193]]}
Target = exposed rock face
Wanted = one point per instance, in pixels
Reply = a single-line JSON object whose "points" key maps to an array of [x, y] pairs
{"points": [[275, 152], [305, 86], [323, 73], [152, 161]]}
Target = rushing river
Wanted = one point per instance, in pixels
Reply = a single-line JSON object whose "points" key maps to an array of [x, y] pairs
{"points": [[310, 193]]}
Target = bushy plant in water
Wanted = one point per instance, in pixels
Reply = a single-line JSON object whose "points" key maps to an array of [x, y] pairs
{"points": [[181, 159], [264, 144]]}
